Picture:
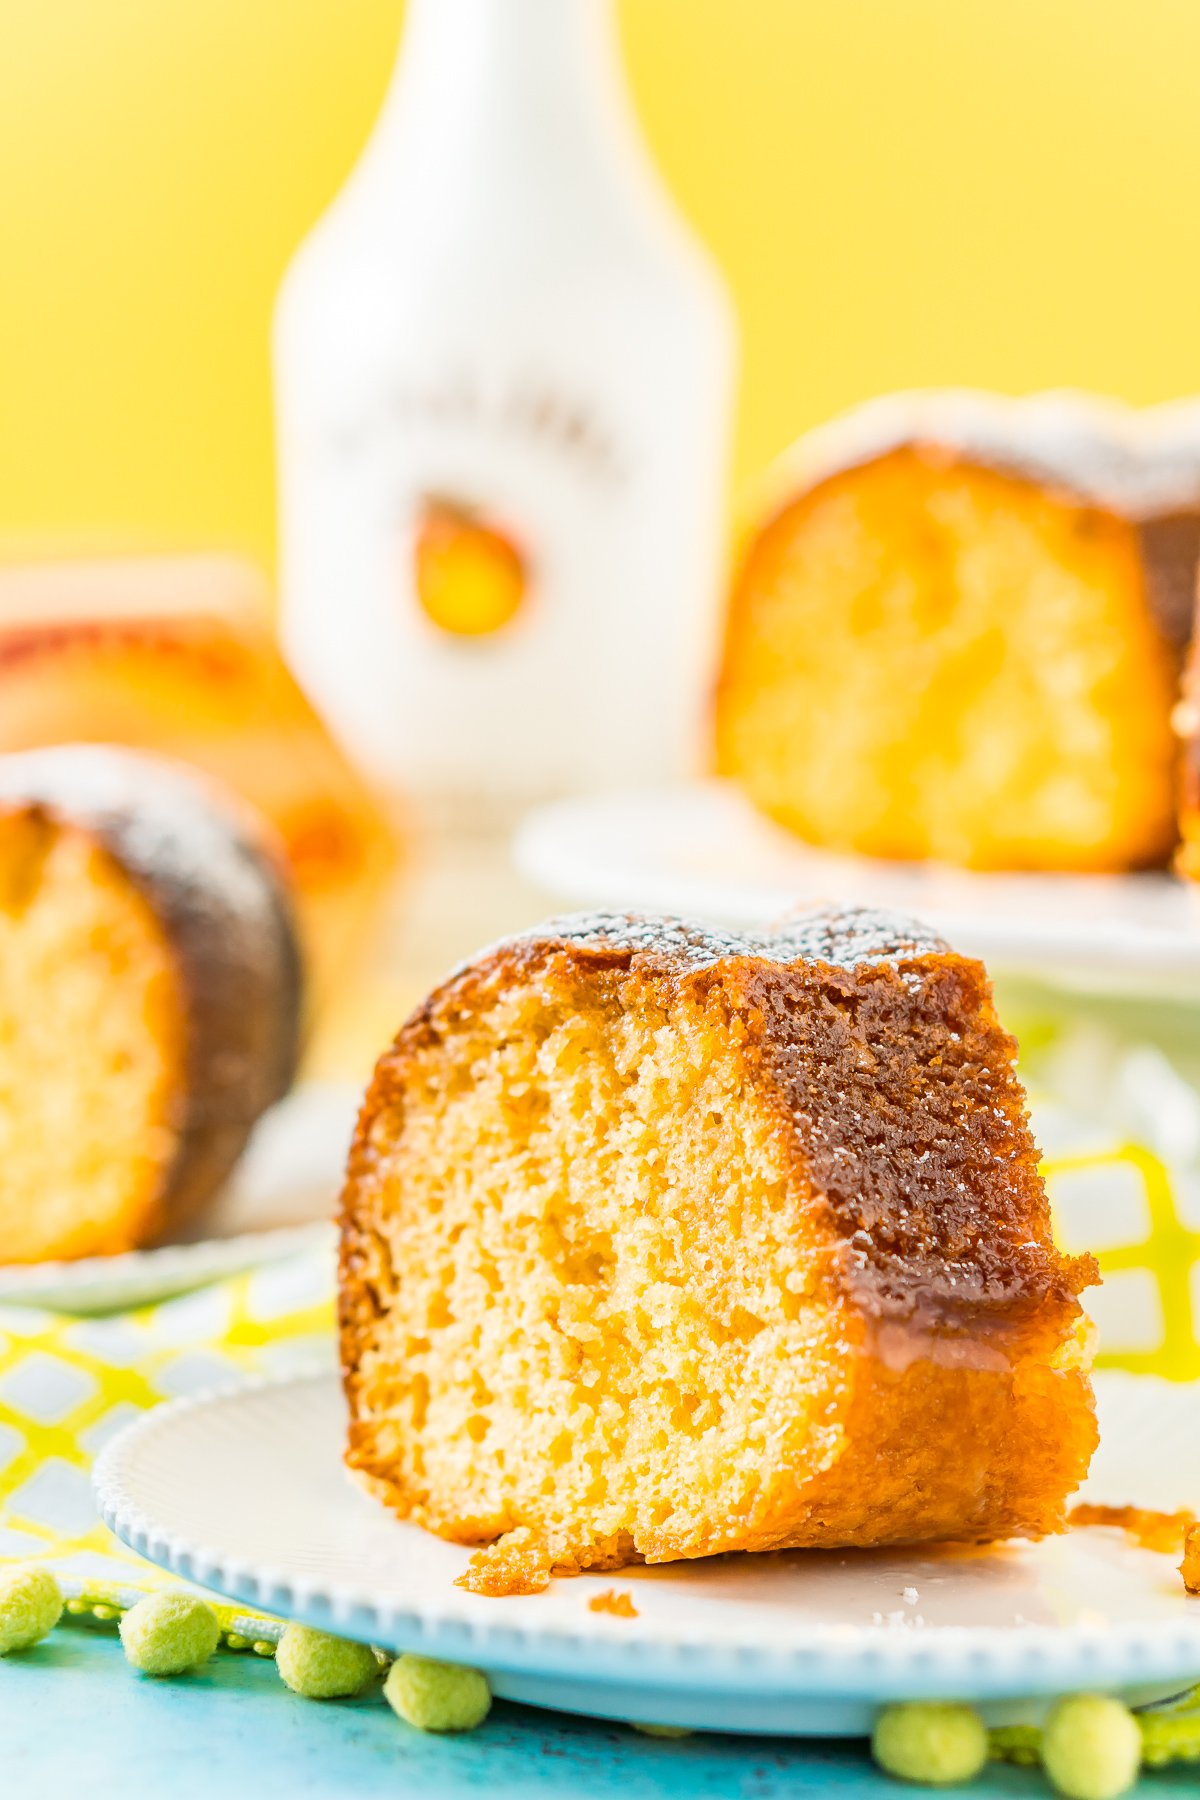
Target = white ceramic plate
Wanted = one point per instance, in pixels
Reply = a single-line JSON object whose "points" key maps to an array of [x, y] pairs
{"points": [[279, 1200], [700, 849], [245, 1494]]}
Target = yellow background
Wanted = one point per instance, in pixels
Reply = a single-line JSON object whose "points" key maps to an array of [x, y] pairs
{"points": [[900, 191]]}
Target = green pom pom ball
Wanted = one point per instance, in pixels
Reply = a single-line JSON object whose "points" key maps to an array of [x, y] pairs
{"points": [[31, 1604], [166, 1634], [322, 1667], [437, 1696], [936, 1744], [1091, 1747]]}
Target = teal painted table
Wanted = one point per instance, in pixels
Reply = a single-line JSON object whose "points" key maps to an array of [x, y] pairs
{"points": [[75, 1720]]}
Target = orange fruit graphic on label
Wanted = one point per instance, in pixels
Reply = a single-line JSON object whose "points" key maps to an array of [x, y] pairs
{"points": [[470, 577]]}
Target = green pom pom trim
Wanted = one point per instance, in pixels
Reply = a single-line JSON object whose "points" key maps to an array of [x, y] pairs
{"points": [[1020, 1744], [1169, 1738], [929, 1742], [246, 1633], [321, 1667], [31, 1605], [426, 1693], [1091, 1747], [168, 1634], [437, 1696]]}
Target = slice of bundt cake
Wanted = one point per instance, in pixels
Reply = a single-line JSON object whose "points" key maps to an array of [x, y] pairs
{"points": [[1187, 727], [149, 998], [658, 1243], [958, 632]]}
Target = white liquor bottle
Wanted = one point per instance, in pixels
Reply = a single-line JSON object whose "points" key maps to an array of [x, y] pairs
{"points": [[503, 377]]}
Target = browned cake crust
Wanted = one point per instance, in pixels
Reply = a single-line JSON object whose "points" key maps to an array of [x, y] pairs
{"points": [[875, 1058], [1141, 464], [212, 881], [1189, 1568], [1187, 727]]}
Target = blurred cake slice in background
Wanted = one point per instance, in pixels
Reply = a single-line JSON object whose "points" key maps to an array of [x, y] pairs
{"points": [[957, 632], [1187, 725], [150, 996], [178, 655]]}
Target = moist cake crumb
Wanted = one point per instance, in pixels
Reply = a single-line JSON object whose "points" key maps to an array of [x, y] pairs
{"points": [[611, 1601]]}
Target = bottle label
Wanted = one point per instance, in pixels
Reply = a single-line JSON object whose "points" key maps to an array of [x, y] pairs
{"points": [[468, 575], [531, 412]]}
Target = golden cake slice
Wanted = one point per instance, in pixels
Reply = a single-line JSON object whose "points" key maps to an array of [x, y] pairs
{"points": [[149, 998], [958, 630], [658, 1242], [1186, 720], [176, 655]]}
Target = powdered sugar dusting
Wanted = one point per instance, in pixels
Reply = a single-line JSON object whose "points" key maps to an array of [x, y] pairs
{"points": [[841, 935], [164, 822], [1140, 462], [183, 842]]}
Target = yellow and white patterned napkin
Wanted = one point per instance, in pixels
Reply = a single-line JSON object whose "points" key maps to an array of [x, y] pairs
{"points": [[68, 1384], [1119, 1129]]}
